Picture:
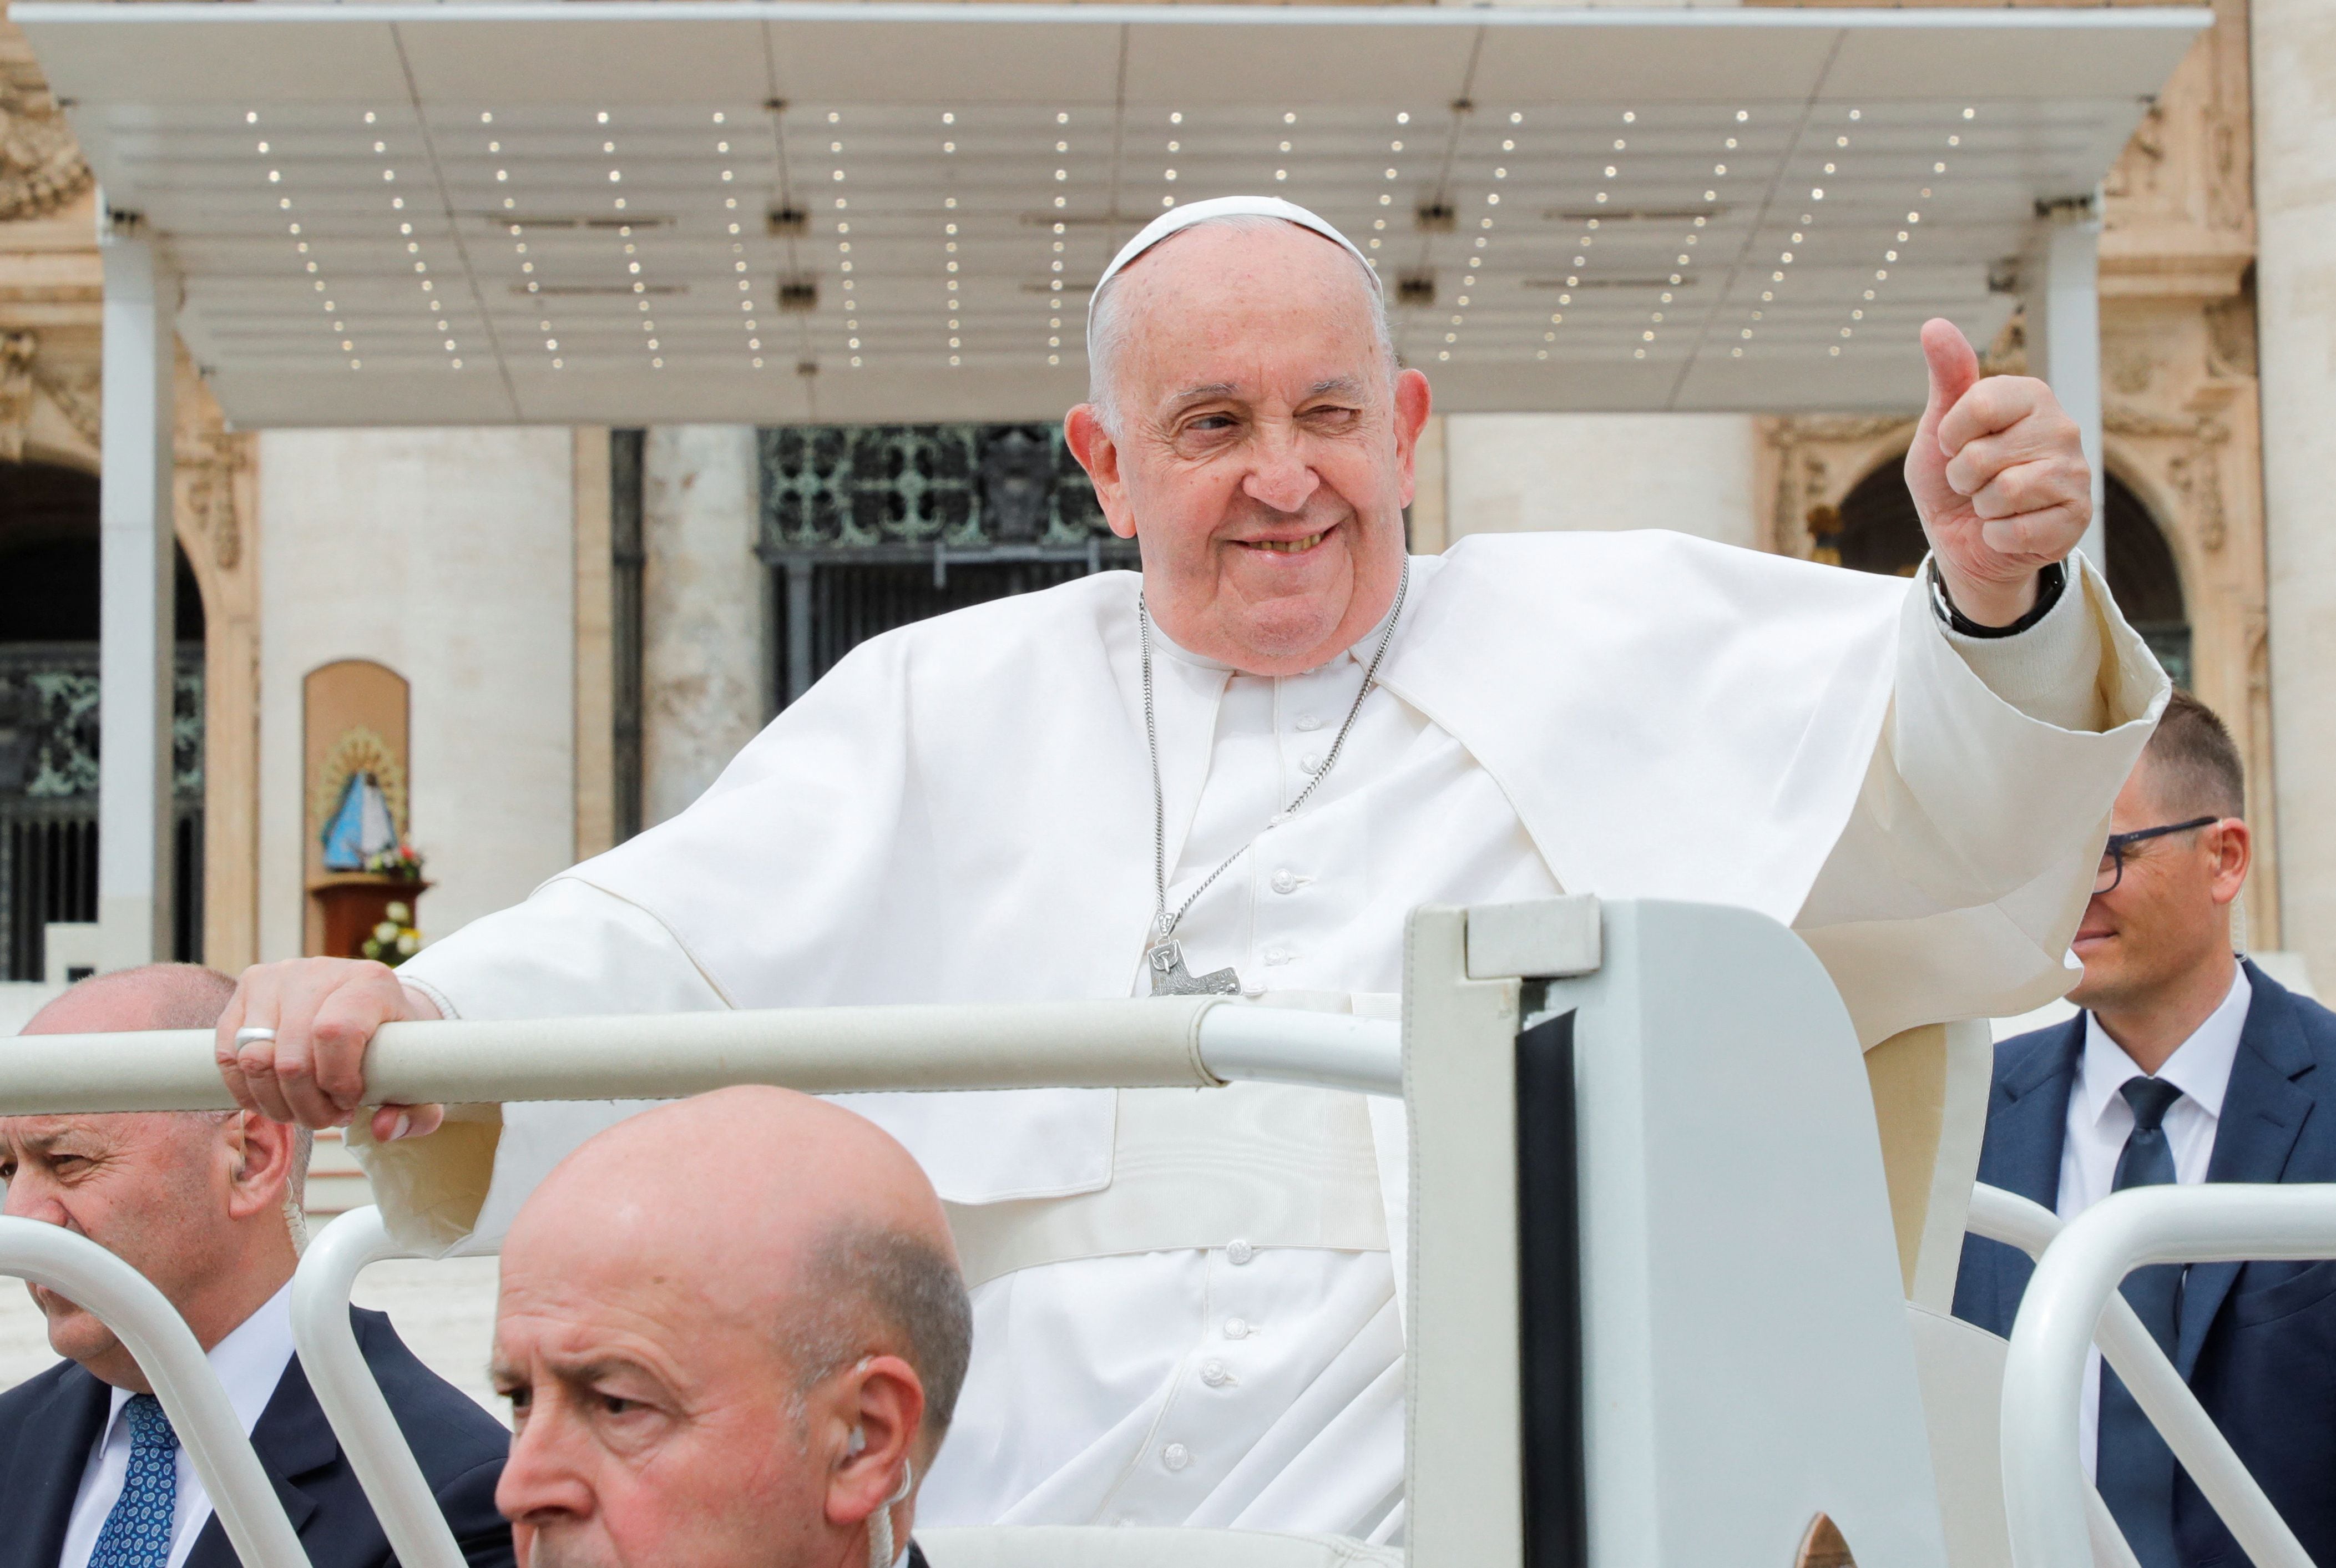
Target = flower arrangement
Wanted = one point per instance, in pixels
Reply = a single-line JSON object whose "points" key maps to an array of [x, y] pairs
{"points": [[404, 864], [395, 940]]}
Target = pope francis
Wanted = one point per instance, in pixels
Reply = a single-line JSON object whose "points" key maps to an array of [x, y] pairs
{"points": [[1239, 770]]}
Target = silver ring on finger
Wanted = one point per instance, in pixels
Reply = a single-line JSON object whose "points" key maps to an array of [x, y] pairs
{"points": [[253, 1036]]}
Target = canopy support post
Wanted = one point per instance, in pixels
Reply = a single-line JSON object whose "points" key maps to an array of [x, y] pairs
{"points": [[2064, 331], [137, 635]]}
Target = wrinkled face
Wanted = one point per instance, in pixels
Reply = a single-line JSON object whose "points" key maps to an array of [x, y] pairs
{"points": [[151, 1189], [2169, 912], [652, 1427], [1262, 453]]}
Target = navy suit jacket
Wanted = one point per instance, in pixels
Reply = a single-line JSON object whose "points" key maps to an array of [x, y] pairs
{"points": [[48, 1425], [2257, 1341]]}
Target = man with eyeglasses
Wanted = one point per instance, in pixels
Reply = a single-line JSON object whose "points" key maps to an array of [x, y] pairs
{"points": [[2188, 1064]]}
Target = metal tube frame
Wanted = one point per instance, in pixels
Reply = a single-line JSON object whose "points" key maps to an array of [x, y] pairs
{"points": [[142, 1318], [351, 1398], [2073, 1301]]}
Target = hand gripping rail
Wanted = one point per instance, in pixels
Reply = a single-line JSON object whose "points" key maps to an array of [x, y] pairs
{"points": [[1160, 1042], [2074, 1298], [121, 1298]]}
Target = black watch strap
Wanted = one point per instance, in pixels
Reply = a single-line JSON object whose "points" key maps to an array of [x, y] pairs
{"points": [[2050, 584]]}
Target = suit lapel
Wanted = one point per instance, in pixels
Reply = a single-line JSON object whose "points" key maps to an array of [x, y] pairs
{"points": [[2263, 1111], [293, 1440], [2025, 1132], [58, 1436]]}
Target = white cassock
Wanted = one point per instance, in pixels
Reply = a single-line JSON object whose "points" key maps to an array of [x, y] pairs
{"points": [[1184, 1307]]}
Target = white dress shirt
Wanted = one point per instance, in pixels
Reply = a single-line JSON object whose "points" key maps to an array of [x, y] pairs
{"points": [[2100, 1121], [249, 1362]]}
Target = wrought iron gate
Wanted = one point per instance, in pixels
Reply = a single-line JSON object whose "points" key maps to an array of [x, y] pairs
{"points": [[48, 799], [868, 527]]}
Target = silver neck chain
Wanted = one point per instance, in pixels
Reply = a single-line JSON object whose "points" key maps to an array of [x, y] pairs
{"points": [[1163, 923]]}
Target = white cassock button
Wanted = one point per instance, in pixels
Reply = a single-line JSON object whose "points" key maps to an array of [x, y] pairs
{"points": [[1236, 1328], [1312, 762], [1175, 1455], [1285, 881], [1239, 1252], [1279, 955], [1214, 1375], [1309, 721]]}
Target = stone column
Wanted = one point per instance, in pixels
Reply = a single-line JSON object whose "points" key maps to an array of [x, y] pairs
{"points": [[136, 631], [2294, 82], [701, 649]]}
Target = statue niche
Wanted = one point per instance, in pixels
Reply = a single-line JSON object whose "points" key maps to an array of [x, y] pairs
{"points": [[363, 876]]}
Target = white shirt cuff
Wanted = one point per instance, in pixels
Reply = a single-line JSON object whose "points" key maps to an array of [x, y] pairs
{"points": [[2051, 671]]}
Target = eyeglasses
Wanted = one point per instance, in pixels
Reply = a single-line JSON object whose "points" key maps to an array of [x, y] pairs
{"points": [[2112, 870]]}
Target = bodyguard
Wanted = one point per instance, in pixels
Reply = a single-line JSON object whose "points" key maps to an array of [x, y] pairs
{"points": [[2189, 1063], [207, 1206]]}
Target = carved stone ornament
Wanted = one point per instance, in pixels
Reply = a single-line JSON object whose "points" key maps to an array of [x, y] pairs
{"points": [[17, 352], [2194, 470], [74, 390], [210, 464], [40, 168]]}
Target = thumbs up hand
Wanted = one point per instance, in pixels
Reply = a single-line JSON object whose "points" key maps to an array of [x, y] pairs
{"points": [[1998, 477]]}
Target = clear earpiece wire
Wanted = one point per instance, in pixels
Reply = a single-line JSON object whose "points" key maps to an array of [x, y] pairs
{"points": [[881, 1549]]}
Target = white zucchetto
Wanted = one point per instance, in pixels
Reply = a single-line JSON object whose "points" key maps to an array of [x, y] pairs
{"points": [[1178, 218]]}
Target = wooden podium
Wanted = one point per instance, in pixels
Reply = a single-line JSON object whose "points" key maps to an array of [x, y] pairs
{"points": [[353, 902]]}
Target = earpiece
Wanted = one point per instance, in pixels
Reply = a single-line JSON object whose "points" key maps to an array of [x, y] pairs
{"points": [[857, 1444]]}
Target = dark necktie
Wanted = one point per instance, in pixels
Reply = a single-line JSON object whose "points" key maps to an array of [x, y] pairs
{"points": [[2135, 1469], [137, 1532]]}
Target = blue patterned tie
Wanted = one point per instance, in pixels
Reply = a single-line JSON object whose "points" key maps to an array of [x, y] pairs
{"points": [[137, 1534], [2133, 1466]]}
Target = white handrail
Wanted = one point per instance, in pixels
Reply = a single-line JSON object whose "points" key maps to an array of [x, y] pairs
{"points": [[2015, 1221], [2074, 1295], [1319, 1050], [142, 1318], [352, 1400], [1164, 1042]]}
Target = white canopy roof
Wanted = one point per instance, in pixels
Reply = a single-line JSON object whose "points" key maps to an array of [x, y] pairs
{"points": [[600, 211]]}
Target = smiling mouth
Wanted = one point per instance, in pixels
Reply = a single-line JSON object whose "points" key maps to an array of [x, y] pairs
{"points": [[1285, 545]]}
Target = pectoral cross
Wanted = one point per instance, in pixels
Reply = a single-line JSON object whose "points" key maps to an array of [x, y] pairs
{"points": [[1170, 978]]}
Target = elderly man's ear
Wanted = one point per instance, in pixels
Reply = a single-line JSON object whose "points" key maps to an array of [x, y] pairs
{"points": [[882, 1402], [1413, 404], [257, 1155], [1098, 453]]}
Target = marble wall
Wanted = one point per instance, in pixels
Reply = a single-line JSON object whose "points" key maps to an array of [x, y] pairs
{"points": [[702, 668], [446, 555], [1514, 473]]}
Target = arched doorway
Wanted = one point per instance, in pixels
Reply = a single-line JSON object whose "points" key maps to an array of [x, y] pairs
{"points": [[49, 719], [1880, 532]]}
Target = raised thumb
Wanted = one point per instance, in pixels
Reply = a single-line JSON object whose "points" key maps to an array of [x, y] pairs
{"points": [[1953, 368]]}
